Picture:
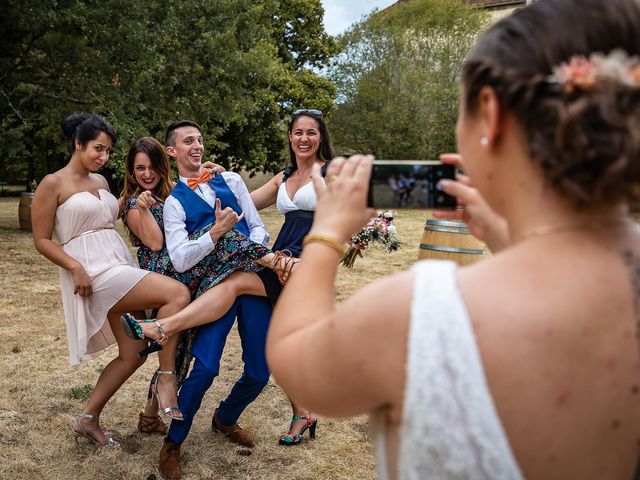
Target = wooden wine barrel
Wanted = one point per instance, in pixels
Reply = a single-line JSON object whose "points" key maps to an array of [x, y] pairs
{"points": [[24, 211], [447, 240]]}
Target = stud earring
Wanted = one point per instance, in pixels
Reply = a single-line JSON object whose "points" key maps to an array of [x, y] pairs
{"points": [[484, 141]]}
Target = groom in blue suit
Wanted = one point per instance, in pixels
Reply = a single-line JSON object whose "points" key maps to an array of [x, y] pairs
{"points": [[193, 203]]}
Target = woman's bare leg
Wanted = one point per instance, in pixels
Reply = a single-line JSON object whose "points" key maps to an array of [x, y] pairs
{"points": [[209, 306], [168, 296], [111, 378], [151, 407]]}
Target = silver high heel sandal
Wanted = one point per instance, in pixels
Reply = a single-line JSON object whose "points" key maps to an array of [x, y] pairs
{"points": [[167, 411], [111, 443]]}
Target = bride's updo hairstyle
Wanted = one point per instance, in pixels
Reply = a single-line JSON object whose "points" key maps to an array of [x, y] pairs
{"points": [[85, 127], [567, 70]]}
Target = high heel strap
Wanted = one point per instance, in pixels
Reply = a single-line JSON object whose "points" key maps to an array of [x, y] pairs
{"points": [[291, 439], [132, 328], [87, 415], [168, 411], [151, 424], [306, 417], [151, 348], [283, 270], [111, 443], [163, 335]]}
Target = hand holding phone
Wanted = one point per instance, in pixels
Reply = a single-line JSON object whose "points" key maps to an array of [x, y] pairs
{"points": [[410, 184]]}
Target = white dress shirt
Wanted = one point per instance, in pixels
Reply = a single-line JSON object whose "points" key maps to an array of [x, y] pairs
{"points": [[185, 253]]}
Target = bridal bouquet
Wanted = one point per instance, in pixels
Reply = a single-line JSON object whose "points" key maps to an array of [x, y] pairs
{"points": [[379, 230]]}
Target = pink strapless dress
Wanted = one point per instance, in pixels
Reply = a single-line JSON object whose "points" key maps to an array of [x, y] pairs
{"points": [[84, 227]]}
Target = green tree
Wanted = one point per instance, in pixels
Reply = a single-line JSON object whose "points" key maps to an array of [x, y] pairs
{"points": [[398, 76], [237, 67]]}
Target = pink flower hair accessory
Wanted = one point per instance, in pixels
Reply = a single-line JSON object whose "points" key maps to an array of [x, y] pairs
{"points": [[585, 73]]}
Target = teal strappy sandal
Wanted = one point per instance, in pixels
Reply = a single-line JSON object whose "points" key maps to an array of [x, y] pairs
{"points": [[132, 329], [290, 439]]}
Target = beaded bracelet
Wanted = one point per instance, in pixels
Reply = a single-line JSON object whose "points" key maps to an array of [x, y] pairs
{"points": [[334, 243]]}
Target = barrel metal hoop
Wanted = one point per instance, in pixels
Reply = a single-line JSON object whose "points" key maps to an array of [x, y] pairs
{"points": [[446, 223], [446, 230], [440, 248]]}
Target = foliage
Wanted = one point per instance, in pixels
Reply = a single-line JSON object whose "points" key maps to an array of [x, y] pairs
{"points": [[81, 393], [397, 79], [237, 67]]}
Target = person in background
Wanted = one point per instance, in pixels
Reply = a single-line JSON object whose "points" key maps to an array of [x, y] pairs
{"points": [[98, 276], [526, 364], [295, 197]]}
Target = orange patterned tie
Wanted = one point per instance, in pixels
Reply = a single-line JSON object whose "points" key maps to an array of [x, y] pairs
{"points": [[204, 177]]}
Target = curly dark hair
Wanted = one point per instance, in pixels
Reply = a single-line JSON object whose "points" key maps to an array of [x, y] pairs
{"points": [[587, 142]]}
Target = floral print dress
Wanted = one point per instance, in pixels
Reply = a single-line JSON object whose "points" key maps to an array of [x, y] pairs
{"points": [[234, 251]]}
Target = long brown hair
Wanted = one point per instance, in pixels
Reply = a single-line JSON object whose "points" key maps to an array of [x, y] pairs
{"points": [[325, 150], [159, 162]]}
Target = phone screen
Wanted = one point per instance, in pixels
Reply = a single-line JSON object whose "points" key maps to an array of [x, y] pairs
{"points": [[409, 184]]}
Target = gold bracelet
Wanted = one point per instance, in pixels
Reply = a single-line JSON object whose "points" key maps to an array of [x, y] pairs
{"points": [[334, 243]]}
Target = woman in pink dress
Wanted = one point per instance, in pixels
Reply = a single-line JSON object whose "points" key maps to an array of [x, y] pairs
{"points": [[98, 276]]}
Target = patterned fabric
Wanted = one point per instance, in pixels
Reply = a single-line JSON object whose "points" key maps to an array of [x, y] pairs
{"points": [[234, 251], [160, 262]]}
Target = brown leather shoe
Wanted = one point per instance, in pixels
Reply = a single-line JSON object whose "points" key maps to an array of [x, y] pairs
{"points": [[233, 432], [170, 461]]}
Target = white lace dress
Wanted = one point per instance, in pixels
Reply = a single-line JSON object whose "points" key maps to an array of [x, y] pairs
{"points": [[450, 428]]}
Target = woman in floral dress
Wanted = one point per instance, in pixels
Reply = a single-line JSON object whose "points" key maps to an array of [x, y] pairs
{"points": [[147, 184]]}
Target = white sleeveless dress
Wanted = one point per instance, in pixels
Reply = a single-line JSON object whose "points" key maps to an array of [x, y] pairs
{"points": [[304, 199], [108, 262], [450, 428]]}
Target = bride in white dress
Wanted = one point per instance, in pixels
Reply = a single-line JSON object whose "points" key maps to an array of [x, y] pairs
{"points": [[98, 276], [526, 364]]}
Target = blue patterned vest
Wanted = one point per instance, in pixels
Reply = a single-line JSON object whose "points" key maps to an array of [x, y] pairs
{"points": [[198, 212]]}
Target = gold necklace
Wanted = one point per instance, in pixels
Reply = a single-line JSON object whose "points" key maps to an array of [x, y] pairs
{"points": [[595, 226]]}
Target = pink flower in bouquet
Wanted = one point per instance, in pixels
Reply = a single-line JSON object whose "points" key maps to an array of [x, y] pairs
{"points": [[380, 229]]}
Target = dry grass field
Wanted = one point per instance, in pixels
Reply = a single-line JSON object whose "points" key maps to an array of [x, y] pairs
{"points": [[40, 392]]}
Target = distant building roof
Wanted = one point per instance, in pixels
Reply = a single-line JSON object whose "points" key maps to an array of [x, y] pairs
{"points": [[495, 3], [489, 4]]}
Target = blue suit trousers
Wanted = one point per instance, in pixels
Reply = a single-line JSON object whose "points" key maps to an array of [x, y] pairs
{"points": [[254, 314]]}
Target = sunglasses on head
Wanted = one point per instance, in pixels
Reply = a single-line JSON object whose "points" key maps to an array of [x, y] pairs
{"points": [[303, 111]]}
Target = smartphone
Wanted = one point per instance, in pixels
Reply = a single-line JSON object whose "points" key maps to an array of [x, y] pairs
{"points": [[409, 184]]}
